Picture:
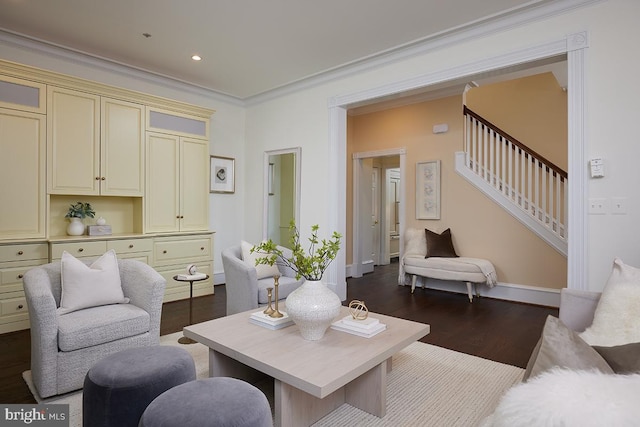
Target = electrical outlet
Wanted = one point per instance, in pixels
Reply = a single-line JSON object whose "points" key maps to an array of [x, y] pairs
{"points": [[619, 205], [597, 206]]}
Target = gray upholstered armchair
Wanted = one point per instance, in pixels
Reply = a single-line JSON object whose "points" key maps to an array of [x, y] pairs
{"points": [[64, 347], [244, 290]]}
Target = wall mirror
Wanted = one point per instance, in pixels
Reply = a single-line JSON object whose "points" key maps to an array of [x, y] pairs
{"points": [[281, 193]]}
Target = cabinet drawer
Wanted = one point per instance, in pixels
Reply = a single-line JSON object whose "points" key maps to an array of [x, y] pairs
{"points": [[130, 245], [11, 278], [22, 252], [78, 249], [13, 306], [181, 250]]}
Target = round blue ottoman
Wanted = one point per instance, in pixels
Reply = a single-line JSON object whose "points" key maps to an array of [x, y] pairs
{"points": [[212, 402], [119, 387]]}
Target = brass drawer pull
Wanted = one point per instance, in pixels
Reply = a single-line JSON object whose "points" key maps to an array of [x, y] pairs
{"points": [[20, 253], [164, 252], [202, 248], [130, 246], [80, 249], [103, 178], [97, 178], [20, 307], [20, 276]]}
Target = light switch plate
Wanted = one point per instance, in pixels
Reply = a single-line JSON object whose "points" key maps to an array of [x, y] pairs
{"points": [[597, 206], [619, 205]]}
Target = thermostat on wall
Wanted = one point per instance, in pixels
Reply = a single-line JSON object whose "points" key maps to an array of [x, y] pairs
{"points": [[597, 168], [441, 128]]}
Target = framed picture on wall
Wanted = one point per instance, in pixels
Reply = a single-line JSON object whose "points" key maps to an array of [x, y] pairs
{"points": [[428, 190], [222, 175]]}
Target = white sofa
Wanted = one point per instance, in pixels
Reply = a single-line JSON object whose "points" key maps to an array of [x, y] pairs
{"points": [[585, 396], [414, 264]]}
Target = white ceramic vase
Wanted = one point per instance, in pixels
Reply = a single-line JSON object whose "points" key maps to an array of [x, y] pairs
{"points": [[75, 227], [313, 307]]}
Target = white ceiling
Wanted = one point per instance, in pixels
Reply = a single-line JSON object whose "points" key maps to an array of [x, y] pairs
{"points": [[248, 47]]}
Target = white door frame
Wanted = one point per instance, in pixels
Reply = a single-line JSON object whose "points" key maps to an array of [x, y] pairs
{"points": [[573, 46], [357, 255]]}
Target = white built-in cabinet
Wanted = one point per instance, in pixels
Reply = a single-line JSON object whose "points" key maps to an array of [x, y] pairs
{"points": [[142, 159], [95, 144]]}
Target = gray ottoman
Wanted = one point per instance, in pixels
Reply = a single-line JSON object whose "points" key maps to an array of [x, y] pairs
{"points": [[212, 402], [119, 387]]}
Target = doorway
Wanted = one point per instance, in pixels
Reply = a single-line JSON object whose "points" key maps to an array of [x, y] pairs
{"points": [[378, 208]]}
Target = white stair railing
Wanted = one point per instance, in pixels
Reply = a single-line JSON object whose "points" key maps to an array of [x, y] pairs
{"points": [[534, 185]]}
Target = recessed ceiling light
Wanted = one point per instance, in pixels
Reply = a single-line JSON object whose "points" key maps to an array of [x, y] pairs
{"points": [[196, 58]]}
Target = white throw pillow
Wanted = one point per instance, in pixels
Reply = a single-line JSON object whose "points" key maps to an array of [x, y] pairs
{"points": [[616, 320], [85, 286], [416, 242], [262, 270]]}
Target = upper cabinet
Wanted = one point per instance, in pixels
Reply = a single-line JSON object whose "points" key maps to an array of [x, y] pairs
{"points": [[22, 173], [95, 144], [177, 196], [22, 158], [122, 148]]}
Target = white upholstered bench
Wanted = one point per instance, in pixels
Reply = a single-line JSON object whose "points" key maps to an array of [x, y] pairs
{"points": [[461, 269]]}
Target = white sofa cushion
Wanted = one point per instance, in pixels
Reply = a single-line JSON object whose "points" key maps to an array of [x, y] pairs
{"points": [[616, 320]]}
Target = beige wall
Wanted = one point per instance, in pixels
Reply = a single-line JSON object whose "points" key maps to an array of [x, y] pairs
{"points": [[479, 227], [532, 109]]}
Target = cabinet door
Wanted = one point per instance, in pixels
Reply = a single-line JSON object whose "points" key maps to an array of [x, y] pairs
{"points": [[121, 148], [162, 197], [194, 185], [73, 142], [22, 174]]}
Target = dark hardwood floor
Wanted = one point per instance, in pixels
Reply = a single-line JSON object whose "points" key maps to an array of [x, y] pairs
{"points": [[502, 331]]}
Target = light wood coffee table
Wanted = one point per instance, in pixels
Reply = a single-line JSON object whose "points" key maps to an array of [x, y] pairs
{"points": [[311, 378]]}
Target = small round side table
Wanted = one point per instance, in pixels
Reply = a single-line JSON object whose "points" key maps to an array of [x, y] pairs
{"points": [[183, 339]]}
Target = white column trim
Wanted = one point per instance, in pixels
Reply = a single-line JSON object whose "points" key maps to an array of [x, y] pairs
{"points": [[578, 232], [335, 275]]}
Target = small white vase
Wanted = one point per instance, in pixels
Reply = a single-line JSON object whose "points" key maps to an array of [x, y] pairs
{"points": [[75, 227], [313, 307]]}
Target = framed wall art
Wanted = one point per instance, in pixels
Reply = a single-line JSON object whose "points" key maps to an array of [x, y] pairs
{"points": [[222, 175], [428, 190]]}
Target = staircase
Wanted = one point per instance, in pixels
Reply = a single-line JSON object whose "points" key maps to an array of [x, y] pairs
{"points": [[525, 184]]}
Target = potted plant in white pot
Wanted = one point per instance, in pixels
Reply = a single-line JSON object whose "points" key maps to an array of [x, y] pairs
{"points": [[76, 213], [312, 306]]}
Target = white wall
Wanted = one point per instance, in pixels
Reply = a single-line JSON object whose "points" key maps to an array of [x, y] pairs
{"points": [[301, 119], [227, 123]]}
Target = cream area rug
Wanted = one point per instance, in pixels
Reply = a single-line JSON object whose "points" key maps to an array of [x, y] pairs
{"points": [[428, 386]]}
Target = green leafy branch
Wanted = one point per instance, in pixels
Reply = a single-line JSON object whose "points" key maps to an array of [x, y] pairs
{"points": [[311, 264]]}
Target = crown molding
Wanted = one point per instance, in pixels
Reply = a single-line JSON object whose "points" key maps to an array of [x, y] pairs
{"points": [[476, 29], [21, 41]]}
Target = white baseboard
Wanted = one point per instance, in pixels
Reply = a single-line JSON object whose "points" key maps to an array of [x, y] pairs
{"points": [[218, 278], [504, 291]]}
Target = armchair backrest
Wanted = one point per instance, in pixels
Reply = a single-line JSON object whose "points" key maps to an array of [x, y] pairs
{"points": [[50, 276], [232, 260]]}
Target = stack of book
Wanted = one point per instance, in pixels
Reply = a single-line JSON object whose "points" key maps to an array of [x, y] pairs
{"points": [[261, 319], [365, 328]]}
